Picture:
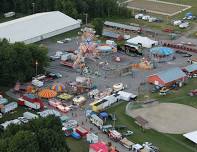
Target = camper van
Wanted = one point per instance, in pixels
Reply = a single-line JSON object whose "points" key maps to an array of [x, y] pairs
{"points": [[96, 120]]}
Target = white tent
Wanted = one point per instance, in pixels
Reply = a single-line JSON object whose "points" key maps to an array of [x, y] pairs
{"points": [[37, 27], [191, 136], [144, 41]]}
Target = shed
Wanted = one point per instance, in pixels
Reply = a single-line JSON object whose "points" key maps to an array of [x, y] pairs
{"points": [[191, 69], [141, 122], [168, 77], [122, 26], [143, 41]]}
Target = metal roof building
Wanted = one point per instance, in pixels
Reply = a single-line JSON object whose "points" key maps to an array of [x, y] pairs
{"points": [[191, 68], [191, 136], [167, 77], [122, 26], [37, 27]]}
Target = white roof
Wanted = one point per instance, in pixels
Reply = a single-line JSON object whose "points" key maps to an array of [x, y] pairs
{"points": [[127, 94], [191, 136], [142, 40], [35, 25]]}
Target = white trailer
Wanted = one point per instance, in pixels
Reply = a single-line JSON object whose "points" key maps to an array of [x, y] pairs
{"points": [[96, 120], [32, 105], [92, 138], [9, 107], [126, 96], [7, 123], [29, 115], [37, 83]]}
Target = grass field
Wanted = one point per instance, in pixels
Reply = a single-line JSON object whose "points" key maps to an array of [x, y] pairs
{"points": [[166, 142], [77, 145], [157, 7], [181, 95]]}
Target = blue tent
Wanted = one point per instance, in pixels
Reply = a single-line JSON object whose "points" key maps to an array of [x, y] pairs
{"points": [[162, 51], [103, 115], [75, 135], [188, 14]]}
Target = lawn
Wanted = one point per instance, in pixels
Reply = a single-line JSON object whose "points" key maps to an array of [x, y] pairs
{"points": [[181, 95], [166, 142], [167, 20], [77, 145], [56, 38]]}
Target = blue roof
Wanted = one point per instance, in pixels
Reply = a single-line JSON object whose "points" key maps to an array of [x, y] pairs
{"points": [[162, 51], [171, 74], [191, 68]]}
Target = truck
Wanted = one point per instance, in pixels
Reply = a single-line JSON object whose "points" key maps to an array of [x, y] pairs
{"points": [[126, 143], [29, 115], [114, 135], [96, 120], [9, 107], [37, 83], [92, 138]]}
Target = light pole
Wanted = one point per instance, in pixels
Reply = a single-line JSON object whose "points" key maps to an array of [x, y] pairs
{"points": [[33, 5], [86, 14], [36, 67]]}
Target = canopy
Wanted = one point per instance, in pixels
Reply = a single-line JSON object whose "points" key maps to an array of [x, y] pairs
{"points": [[103, 115], [162, 51], [47, 93], [58, 87]]}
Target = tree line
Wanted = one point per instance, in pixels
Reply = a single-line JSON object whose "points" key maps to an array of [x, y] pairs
{"points": [[74, 8], [40, 135], [18, 62]]}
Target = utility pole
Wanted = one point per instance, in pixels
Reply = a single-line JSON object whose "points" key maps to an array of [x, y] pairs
{"points": [[36, 67], [33, 6], [86, 14]]}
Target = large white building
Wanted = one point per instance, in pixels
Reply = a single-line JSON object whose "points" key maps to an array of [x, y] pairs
{"points": [[37, 27]]}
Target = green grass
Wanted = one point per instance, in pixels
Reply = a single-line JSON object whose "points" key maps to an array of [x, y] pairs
{"points": [[181, 95], [166, 142], [77, 145], [68, 34]]}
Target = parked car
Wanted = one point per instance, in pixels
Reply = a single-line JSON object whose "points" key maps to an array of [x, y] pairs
{"points": [[184, 25], [128, 133], [168, 30], [139, 16], [146, 17], [177, 22], [54, 75]]}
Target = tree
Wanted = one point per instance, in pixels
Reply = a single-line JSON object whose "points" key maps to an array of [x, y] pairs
{"points": [[17, 61], [98, 25], [23, 141], [40, 135]]}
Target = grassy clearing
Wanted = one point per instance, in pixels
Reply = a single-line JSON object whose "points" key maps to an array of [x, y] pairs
{"points": [[166, 142], [77, 145], [56, 38], [181, 95]]}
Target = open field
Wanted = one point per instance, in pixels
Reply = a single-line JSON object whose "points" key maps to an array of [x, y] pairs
{"points": [[158, 7], [77, 145], [168, 117], [181, 95], [166, 142]]}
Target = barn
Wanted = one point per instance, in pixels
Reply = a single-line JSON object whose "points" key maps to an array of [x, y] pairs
{"points": [[168, 77], [37, 27]]}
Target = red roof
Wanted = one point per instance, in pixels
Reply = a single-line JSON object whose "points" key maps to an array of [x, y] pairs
{"points": [[99, 147]]}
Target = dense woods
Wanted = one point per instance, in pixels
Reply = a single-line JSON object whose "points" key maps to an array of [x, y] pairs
{"points": [[40, 135], [18, 61], [74, 8]]}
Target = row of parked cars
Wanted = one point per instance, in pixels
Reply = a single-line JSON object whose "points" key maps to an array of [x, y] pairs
{"points": [[181, 23], [147, 18]]}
